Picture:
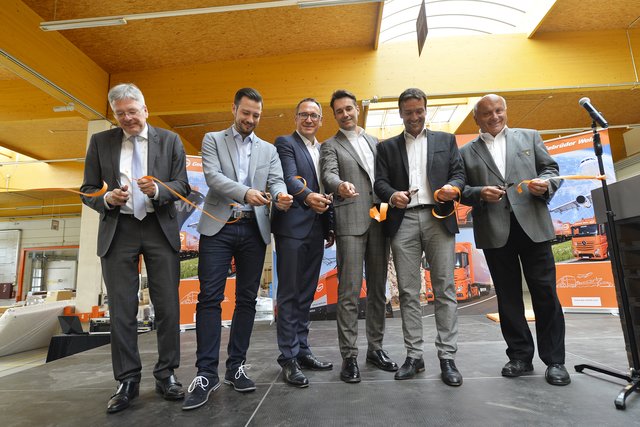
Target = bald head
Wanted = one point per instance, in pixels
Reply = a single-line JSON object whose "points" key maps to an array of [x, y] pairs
{"points": [[490, 113]]}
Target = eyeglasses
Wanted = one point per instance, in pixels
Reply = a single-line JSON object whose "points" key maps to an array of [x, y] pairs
{"points": [[313, 116], [123, 114]]}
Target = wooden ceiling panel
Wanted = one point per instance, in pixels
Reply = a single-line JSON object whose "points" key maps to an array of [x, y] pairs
{"points": [[46, 139], [591, 15], [209, 38]]}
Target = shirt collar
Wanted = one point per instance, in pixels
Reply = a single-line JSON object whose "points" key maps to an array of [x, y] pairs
{"points": [[236, 135], [143, 134], [353, 133], [307, 142], [488, 138], [408, 136]]}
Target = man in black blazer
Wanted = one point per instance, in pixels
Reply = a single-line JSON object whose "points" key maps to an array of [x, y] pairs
{"points": [[300, 233], [409, 169], [138, 217]]}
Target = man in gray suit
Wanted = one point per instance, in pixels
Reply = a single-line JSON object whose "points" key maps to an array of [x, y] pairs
{"points": [[515, 229], [138, 217], [410, 167], [239, 169], [347, 162]]}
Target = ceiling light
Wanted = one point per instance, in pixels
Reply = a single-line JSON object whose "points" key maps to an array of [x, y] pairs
{"points": [[63, 108], [106, 21], [321, 3], [72, 24]]}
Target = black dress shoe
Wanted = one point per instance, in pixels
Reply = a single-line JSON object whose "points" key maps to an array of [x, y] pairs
{"points": [[450, 374], [170, 388], [350, 372], [381, 359], [309, 361], [293, 375], [516, 368], [557, 374], [126, 392], [410, 368]]}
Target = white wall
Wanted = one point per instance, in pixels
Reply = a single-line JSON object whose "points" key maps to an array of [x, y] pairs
{"points": [[37, 233]]}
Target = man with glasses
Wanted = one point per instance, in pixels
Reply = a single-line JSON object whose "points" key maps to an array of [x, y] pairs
{"points": [[244, 176], [300, 234], [348, 162], [138, 217], [415, 172]]}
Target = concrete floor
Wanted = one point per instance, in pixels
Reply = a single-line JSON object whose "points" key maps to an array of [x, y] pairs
{"points": [[74, 391]]}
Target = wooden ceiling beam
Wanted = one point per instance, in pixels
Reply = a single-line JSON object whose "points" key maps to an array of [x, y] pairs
{"points": [[50, 62], [455, 66]]}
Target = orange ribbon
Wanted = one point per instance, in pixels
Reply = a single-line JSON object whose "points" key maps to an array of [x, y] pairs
{"points": [[98, 193], [527, 181], [184, 199], [456, 202], [304, 184], [379, 215]]}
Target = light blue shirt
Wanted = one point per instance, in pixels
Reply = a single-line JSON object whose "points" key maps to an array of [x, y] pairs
{"points": [[244, 158]]}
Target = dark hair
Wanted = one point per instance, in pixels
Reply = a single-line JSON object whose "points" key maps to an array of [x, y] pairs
{"points": [[342, 93], [309, 100], [411, 93], [247, 92]]}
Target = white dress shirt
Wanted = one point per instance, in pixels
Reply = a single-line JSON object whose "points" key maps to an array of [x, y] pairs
{"points": [[497, 146], [314, 151], [417, 149]]}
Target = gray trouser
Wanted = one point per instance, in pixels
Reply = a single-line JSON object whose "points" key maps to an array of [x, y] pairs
{"points": [[420, 232]]}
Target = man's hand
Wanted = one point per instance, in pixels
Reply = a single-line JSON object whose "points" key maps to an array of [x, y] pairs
{"points": [[347, 190], [492, 193], [447, 193], [318, 202], [331, 239], [255, 197], [284, 201], [147, 186], [538, 186], [118, 196], [400, 199]]}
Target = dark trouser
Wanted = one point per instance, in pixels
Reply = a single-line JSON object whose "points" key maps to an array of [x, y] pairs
{"points": [[298, 263], [120, 272], [242, 241], [540, 273]]}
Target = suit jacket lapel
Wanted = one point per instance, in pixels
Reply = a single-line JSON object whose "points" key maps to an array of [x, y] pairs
{"points": [[402, 146], [232, 150], [153, 150], [511, 140], [431, 148], [480, 148], [344, 142], [305, 152], [116, 147], [255, 156]]}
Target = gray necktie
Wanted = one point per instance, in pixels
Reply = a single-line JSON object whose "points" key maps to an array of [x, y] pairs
{"points": [[139, 210]]}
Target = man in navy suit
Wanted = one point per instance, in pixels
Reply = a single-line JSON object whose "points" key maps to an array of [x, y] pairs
{"points": [[300, 234], [128, 229], [415, 172]]}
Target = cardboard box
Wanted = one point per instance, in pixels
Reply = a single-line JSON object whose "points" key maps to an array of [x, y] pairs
{"points": [[60, 295]]}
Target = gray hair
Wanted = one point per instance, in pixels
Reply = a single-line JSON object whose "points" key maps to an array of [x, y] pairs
{"points": [[125, 91], [491, 95]]}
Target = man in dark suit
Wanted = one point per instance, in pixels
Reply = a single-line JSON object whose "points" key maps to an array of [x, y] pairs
{"points": [[138, 217], [409, 169], [300, 234], [240, 169], [515, 229], [348, 164]]}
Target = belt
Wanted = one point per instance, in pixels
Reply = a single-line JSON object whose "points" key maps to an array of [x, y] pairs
{"points": [[243, 214], [419, 207], [131, 215]]}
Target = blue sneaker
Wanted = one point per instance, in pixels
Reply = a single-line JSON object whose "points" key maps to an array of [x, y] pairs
{"points": [[199, 390]]}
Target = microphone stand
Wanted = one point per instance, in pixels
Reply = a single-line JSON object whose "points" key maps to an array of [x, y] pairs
{"points": [[633, 378]]}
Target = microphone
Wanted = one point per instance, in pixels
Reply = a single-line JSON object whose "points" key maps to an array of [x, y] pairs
{"points": [[595, 115]]}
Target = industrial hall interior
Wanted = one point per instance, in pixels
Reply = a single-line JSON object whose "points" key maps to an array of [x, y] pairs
{"points": [[190, 191]]}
